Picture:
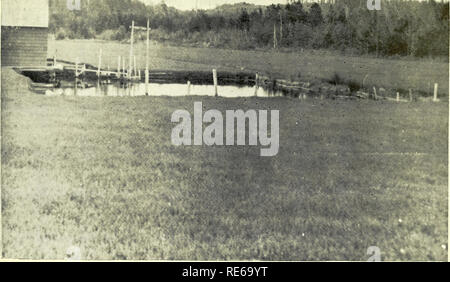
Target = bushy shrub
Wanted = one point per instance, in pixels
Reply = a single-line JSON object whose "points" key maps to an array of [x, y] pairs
{"points": [[86, 33], [107, 35], [301, 35], [121, 33], [61, 34], [353, 86], [114, 34], [230, 38], [160, 35], [336, 79]]}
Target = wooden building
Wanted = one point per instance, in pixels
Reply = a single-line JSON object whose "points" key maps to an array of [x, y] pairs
{"points": [[24, 32]]}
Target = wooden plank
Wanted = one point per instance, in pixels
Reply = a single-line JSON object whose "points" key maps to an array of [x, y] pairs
{"points": [[24, 46]]}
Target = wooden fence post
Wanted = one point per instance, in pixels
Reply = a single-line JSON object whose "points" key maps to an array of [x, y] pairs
{"points": [[118, 67], [124, 68], [215, 82], [135, 68], [146, 57], [256, 84], [130, 69], [435, 97], [76, 68], [99, 63], [54, 58], [275, 41]]}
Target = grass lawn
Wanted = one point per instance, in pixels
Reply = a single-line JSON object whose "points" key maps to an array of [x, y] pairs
{"points": [[101, 173], [419, 75]]}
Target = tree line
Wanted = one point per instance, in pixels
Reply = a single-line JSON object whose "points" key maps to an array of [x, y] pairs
{"points": [[405, 28]]}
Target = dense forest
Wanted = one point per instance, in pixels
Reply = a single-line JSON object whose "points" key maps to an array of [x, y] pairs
{"points": [[405, 28]]}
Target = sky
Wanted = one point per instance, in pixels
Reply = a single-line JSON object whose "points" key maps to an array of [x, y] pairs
{"points": [[209, 4]]}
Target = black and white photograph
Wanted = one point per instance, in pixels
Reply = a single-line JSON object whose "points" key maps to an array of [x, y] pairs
{"points": [[224, 131]]}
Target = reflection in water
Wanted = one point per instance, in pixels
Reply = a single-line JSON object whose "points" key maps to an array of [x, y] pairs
{"points": [[98, 89]]}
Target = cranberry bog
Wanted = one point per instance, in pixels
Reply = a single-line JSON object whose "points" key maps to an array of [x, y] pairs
{"points": [[100, 173]]}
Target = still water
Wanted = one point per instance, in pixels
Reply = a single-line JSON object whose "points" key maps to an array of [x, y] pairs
{"points": [[156, 89]]}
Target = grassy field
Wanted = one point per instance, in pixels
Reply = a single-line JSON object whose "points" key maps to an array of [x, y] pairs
{"points": [[419, 75], [101, 173]]}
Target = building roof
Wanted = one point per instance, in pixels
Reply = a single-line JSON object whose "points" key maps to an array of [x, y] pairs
{"points": [[25, 13]]}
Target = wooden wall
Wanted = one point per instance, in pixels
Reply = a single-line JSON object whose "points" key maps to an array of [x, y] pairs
{"points": [[24, 46]]}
